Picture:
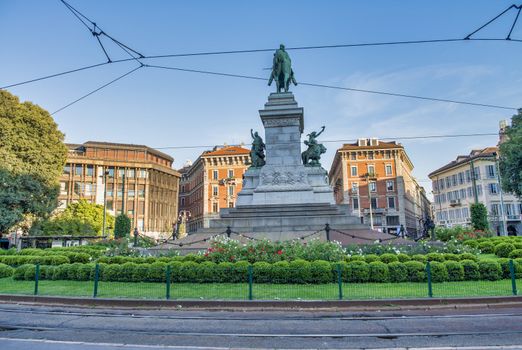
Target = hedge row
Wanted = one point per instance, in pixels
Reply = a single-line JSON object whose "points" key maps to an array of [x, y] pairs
{"points": [[283, 272], [89, 251], [17, 260], [423, 258], [501, 246]]}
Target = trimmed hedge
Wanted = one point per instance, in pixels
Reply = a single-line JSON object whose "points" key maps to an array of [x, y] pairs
{"points": [[17, 260], [502, 250], [282, 272]]}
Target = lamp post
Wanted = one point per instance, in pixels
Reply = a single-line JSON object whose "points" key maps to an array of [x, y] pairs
{"points": [[502, 212], [368, 175], [105, 173]]}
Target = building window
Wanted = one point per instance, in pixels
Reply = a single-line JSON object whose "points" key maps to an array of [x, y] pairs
{"points": [[454, 180], [230, 173], [110, 171], [214, 190], [354, 170], [461, 178], [63, 188], [468, 176], [463, 193], [130, 194], [78, 170], [89, 170], [142, 174], [353, 156], [371, 170], [495, 209], [476, 173], [131, 173], [183, 201], [374, 202], [470, 192], [448, 182], [89, 189], [121, 172], [441, 184], [389, 185], [141, 191], [231, 204], [391, 202], [493, 188], [490, 171], [78, 188], [355, 187], [230, 191], [215, 207], [370, 155], [479, 190], [355, 204], [388, 169], [387, 155], [392, 221], [109, 190], [215, 174], [465, 213], [373, 186], [67, 169]]}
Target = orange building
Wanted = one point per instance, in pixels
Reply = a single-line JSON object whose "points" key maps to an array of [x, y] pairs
{"points": [[134, 179], [375, 173], [212, 183]]}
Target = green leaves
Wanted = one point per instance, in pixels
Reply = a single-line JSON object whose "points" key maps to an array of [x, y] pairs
{"points": [[511, 156], [122, 227]]}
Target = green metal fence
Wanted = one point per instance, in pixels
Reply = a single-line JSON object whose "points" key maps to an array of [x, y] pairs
{"points": [[253, 288]]}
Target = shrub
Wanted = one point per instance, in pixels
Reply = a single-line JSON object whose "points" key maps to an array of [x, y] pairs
{"points": [[420, 258], [486, 247], [435, 257], [403, 257], [321, 272], [503, 249], [356, 271], [300, 271], [517, 245], [479, 216], [438, 272], [455, 270], [371, 258], [515, 254], [379, 272], [266, 273], [416, 271], [490, 270], [388, 258], [6, 271], [398, 272], [450, 256], [504, 267], [19, 272], [468, 256], [122, 226], [472, 243]]}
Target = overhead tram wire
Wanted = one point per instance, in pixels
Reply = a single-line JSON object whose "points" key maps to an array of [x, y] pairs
{"points": [[355, 140], [387, 93], [96, 90]]}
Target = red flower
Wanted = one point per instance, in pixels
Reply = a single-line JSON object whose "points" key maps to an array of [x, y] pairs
{"points": [[279, 252]]}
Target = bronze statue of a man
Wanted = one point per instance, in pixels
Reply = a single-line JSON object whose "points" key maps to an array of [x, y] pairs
{"points": [[282, 71], [257, 153]]}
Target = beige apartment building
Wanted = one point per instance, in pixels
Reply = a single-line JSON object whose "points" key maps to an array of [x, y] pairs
{"points": [[133, 179]]}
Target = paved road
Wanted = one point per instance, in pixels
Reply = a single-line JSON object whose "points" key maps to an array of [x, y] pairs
{"points": [[32, 327]]}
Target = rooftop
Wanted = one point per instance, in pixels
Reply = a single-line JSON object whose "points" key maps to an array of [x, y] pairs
{"points": [[462, 159], [128, 146], [226, 151], [370, 144]]}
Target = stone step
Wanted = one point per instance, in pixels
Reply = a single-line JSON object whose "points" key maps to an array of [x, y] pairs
{"points": [[326, 213]]}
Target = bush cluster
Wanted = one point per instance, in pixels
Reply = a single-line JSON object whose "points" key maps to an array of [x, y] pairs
{"points": [[17, 260], [501, 246], [282, 272], [423, 258]]}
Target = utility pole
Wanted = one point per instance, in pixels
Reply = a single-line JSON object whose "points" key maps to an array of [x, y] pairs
{"points": [[473, 181], [502, 211], [105, 173], [369, 199]]}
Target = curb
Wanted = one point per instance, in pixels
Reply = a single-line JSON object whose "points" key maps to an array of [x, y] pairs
{"points": [[427, 303]]}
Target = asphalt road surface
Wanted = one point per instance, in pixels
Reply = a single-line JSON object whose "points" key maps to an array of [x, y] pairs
{"points": [[57, 328]]}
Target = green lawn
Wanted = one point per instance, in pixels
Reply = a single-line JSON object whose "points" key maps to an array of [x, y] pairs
{"points": [[239, 291], [487, 256]]}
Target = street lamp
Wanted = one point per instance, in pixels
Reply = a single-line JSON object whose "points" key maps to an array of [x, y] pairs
{"points": [[502, 215], [105, 173], [368, 176]]}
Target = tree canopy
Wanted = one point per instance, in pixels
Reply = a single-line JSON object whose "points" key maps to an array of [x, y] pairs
{"points": [[80, 218], [30, 142], [511, 156], [22, 195], [123, 226]]}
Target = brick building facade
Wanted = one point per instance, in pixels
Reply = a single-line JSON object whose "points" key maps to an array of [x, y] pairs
{"points": [[212, 183], [139, 181], [378, 173]]}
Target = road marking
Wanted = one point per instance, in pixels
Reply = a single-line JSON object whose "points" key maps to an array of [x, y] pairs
{"points": [[121, 345]]}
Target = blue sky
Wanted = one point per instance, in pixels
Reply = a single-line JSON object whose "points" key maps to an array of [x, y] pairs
{"points": [[166, 108]]}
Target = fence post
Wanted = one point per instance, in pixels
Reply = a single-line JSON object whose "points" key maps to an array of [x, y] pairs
{"points": [[168, 282], [327, 230], [250, 281], [513, 277], [96, 279], [428, 272], [36, 276], [340, 281]]}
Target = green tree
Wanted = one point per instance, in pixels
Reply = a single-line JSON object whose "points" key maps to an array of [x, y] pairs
{"points": [[80, 218], [122, 227], [30, 142], [23, 195], [32, 155], [479, 216], [511, 156]]}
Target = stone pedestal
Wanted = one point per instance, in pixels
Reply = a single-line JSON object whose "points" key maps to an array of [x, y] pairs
{"points": [[284, 179]]}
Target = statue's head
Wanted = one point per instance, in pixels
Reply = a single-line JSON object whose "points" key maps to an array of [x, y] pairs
{"points": [[255, 134], [282, 47]]}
